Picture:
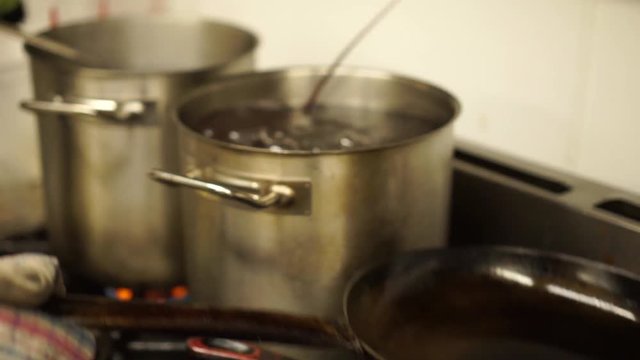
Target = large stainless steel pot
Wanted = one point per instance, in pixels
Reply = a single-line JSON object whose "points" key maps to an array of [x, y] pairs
{"points": [[285, 230], [102, 128]]}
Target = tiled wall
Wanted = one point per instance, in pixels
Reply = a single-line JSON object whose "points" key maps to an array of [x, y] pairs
{"points": [[555, 81]]}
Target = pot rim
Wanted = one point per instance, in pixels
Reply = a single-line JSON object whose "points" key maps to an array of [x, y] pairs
{"points": [[98, 71], [362, 72]]}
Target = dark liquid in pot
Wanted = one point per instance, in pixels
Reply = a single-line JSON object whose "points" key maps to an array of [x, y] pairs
{"points": [[460, 317], [277, 128]]}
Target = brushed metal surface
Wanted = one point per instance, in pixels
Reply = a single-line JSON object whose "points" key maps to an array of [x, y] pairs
{"points": [[106, 220]]}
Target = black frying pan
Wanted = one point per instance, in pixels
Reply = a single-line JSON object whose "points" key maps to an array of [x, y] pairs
{"points": [[473, 303]]}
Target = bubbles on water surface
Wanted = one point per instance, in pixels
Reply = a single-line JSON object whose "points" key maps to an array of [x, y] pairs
{"points": [[277, 128], [234, 136], [208, 133]]}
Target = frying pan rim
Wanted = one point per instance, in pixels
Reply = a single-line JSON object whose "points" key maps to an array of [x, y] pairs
{"points": [[496, 249]]}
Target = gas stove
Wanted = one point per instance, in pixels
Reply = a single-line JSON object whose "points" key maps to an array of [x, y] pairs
{"points": [[496, 200]]}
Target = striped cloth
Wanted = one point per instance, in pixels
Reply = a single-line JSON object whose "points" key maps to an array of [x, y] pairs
{"points": [[28, 280], [29, 335]]}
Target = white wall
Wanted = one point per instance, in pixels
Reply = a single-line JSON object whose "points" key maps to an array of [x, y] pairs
{"points": [[555, 81]]}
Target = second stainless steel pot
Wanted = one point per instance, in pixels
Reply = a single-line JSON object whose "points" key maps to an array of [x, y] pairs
{"points": [[102, 128], [284, 230]]}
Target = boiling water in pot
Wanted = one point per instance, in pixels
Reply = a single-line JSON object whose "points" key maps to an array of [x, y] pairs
{"points": [[313, 128], [279, 128]]}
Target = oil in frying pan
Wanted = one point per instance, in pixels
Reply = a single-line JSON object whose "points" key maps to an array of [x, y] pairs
{"points": [[464, 317]]}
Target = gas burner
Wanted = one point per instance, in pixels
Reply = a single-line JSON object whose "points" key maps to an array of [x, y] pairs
{"points": [[178, 293]]}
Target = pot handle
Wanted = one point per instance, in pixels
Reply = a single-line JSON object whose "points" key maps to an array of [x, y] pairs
{"points": [[278, 195], [116, 111]]}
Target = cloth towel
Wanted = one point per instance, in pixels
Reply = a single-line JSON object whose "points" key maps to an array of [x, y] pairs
{"points": [[26, 281]]}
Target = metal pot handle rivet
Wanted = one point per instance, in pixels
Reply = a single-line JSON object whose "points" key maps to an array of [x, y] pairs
{"points": [[277, 196]]}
